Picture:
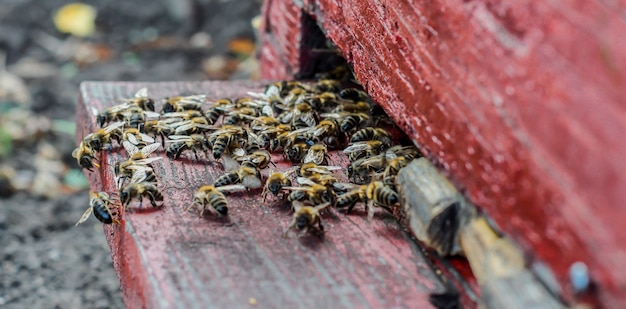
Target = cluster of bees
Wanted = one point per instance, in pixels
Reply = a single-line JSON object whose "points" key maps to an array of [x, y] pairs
{"points": [[301, 121]]}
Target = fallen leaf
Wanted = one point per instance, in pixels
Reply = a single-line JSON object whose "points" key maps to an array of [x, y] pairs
{"points": [[76, 18]]}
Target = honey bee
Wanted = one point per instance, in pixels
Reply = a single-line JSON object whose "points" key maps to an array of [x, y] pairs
{"points": [[366, 149], [351, 198], [354, 94], [372, 134], [375, 194], [247, 174], [100, 206], [316, 154], [136, 138], [392, 170], [137, 169], [195, 125], [212, 198], [181, 143], [310, 169], [124, 111], [305, 218], [98, 139], [264, 123], [85, 156], [158, 128], [275, 182], [320, 179], [296, 153], [140, 190], [348, 121], [301, 115], [326, 85], [314, 193], [142, 100], [225, 137], [360, 171], [326, 127], [180, 104], [240, 115], [357, 107], [217, 109], [259, 158]]}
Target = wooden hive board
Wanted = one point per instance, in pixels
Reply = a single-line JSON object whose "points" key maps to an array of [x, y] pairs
{"points": [[170, 258]]}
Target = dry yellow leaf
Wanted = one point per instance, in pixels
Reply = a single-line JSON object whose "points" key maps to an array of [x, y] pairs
{"points": [[76, 18]]}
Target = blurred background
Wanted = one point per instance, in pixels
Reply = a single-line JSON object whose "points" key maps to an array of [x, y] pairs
{"points": [[46, 49]]}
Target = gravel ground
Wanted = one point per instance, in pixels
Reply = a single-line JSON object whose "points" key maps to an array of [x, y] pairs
{"points": [[45, 261]]}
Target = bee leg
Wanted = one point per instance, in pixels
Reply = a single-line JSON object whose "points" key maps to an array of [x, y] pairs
{"points": [[152, 200], [195, 153], [286, 231], [320, 225], [140, 201], [370, 210]]}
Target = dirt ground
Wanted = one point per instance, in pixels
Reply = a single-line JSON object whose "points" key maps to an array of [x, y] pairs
{"points": [[45, 261]]}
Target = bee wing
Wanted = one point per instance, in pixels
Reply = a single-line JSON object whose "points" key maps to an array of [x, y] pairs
{"points": [[254, 139], [297, 188], [85, 216], [321, 206], [256, 95], [144, 162], [198, 98], [146, 138], [94, 111], [232, 188], [151, 114], [358, 146], [230, 164], [181, 138], [252, 182], [149, 149], [143, 92], [239, 152], [113, 126], [314, 156], [305, 181], [267, 110], [75, 151], [132, 139], [131, 148]]}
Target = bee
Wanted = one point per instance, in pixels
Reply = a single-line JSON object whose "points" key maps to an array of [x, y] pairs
{"points": [[372, 134], [195, 125], [239, 115], [392, 170], [354, 94], [326, 127], [366, 149], [85, 156], [140, 190], [158, 128], [301, 115], [98, 139], [219, 108], [136, 117], [138, 170], [134, 137], [323, 100], [259, 158], [314, 193], [264, 123], [349, 199], [320, 179], [275, 182], [348, 121], [305, 218], [269, 137], [326, 85], [124, 111], [180, 104], [142, 100], [247, 174], [357, 107], [296, 153], [374, 194], [212, 198], [225, 137], [181, 143], [360, 171], [316, 154], [310, 169], [100, 206]]}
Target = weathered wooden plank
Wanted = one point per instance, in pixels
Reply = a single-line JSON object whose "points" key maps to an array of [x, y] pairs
{"points": [[169, 258], [521, 104]]}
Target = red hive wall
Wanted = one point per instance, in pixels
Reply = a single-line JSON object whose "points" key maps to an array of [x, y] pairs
{"points": [[521, 104]]}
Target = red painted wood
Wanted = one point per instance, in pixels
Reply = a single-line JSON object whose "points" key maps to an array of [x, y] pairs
{"points": [[521, 104], [171, 258]]}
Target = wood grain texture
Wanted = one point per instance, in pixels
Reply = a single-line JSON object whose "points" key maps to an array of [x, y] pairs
{"points": [[520, 104], [169, 258]]}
